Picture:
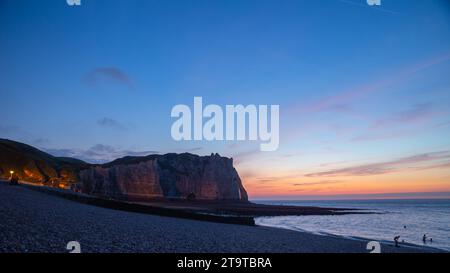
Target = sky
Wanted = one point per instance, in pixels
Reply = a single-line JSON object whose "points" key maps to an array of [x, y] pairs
{"points": [[364, 91]]}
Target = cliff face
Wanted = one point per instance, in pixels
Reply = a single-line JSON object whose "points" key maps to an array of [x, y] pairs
{"points": [[33, 165], [184, 176], [165, 176]]}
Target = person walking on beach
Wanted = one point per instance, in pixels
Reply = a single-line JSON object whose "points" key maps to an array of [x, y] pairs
{"points": [[396, 240], [424, 238]]}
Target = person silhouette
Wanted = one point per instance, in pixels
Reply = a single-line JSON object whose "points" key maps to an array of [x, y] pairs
{"points": [[396, 240], [424, 238]]}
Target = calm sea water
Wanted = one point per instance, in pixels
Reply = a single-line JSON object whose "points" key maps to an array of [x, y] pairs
{"points": [[431, 217]]}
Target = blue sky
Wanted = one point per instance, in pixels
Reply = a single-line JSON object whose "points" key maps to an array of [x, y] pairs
{"points": [[355, 84]]}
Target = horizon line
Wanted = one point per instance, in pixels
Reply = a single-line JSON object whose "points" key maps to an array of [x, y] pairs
{"points": [[370, 196]]}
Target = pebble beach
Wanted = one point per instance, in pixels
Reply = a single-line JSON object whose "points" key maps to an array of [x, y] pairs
{"points": [[33, 221]]}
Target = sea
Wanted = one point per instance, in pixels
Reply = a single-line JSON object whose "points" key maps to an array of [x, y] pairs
{"points": [[409, 219]]}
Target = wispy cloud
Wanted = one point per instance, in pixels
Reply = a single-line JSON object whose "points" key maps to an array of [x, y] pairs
{"points": [[324, 182], [268, 179], [110, 123], [341, 102], [99, 153], [108, 74], [443, 124], [340, 108], [399, 124], [444, 165], [417, 114], [342, 98], [384, 135], [388, 166]]}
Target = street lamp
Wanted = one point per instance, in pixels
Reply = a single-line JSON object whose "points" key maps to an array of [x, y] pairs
{"points": [[11, 172]]}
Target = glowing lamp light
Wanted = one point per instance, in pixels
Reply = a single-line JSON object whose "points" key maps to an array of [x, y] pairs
{"points": [[11, 172]]}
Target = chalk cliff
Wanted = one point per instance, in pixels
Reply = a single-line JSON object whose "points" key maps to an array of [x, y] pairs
{"points": [[184, 176]]}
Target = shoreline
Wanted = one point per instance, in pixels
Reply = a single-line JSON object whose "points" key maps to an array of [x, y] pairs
{"points": [[37, 222], [383, 242]]}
